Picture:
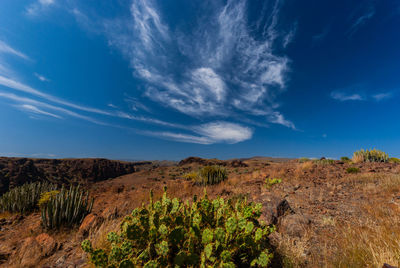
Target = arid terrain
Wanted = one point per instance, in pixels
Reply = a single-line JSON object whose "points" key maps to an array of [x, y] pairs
{"points": [[325, 216]]}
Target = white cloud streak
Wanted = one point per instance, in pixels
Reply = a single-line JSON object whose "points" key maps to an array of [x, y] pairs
{"points": [[41, 77], [368, 12], [39, 6], [5, 48], [28, 101], [382, 96], [36, 110], [18, 86], [210, 133], [342, 96]]}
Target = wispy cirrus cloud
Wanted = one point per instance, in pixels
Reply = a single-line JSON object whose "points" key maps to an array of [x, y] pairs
{"points": [[343, 96], [39, 6], [24, 102], [222, 70], [382, 96], [215, 132], [217, 72], [33, 109], [361, 16], [18, 86], [347, 96], [41, 77], [7, 49]]}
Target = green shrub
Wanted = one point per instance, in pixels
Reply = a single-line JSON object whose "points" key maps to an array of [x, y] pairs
{"points": [[24, 199], [205, 233], [370, 156], [344, 159], [192, 176], [210, 175], [45, 197], [67, 208], [394, 160], [303, 159], [352, 170], [269, 182], [324, 161]]}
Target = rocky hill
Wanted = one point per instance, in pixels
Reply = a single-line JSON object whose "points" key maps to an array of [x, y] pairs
{"points": [[17, 171]]}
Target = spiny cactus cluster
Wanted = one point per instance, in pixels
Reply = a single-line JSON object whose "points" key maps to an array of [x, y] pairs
{"points": [[210, 175], [370, 156], [205, 233], [66, 208], [24, 199]]}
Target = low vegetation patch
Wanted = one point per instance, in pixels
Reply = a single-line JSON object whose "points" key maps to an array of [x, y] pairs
{"points": [[325, 161], [394, 160], [345, 159], [208, 175], [303, 159], [269, 182], [65, 208], [352, 170], [24, 199], [370, 156], [205, 233]]}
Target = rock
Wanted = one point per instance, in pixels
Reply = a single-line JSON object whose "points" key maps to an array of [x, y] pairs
{"points": [[293, 225], [89, 222], [47, 243], [33, 250], [29, 253], [385, 265]]}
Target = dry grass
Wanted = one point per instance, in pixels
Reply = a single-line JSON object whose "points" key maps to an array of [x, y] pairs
{"points": [[369, 241], [293, 249], [387, 183]]}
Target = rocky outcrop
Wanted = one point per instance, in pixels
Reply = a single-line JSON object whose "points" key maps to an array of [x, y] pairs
{"points": [[33, 249], [17, 171]]}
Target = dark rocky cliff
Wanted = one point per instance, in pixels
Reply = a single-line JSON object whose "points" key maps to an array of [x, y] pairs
{"points": [[17, 171]]}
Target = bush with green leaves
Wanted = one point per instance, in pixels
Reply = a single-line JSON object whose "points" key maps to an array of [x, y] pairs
{"points": [[353, 170], [344, 159], [370, 156], [325, 162], [269, 182], [66, 208], [303, 159], [394, 160], [204, 233], [210, 175], [24, 199]]}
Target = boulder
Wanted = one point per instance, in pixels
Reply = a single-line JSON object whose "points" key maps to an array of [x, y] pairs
{"points": [[47, 244], [293, 225], [30, 253]]}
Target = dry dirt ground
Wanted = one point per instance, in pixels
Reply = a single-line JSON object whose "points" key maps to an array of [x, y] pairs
{"points": [[325, 217]]}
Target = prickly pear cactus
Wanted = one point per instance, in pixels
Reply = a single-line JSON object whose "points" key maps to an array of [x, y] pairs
{"points": [[204, 233]]}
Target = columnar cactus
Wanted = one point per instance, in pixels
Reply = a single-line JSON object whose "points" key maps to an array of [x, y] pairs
{"points": [[370, 156], [24, 199], [210, 175], [204, 233], [66, 208]]}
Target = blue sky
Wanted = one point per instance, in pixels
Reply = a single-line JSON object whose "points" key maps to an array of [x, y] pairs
{"points": [[147, 79]]}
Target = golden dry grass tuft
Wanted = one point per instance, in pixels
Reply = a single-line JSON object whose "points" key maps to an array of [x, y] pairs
{"points": [[370, 241]]}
